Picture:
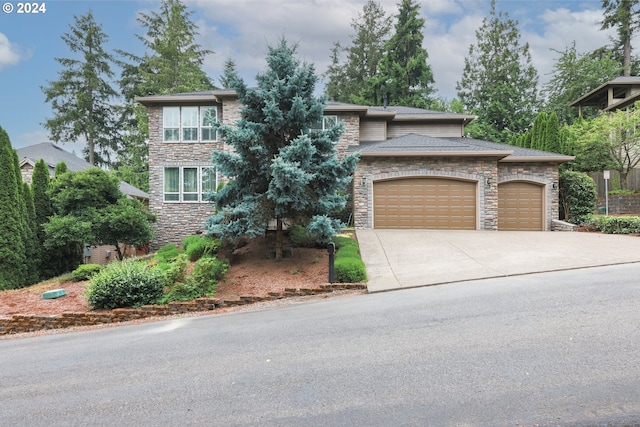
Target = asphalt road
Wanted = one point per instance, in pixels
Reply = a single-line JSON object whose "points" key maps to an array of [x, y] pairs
{"points": [[553, 349]]}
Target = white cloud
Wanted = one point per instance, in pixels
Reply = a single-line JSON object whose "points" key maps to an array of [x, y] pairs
{"points": [[9, 54]]}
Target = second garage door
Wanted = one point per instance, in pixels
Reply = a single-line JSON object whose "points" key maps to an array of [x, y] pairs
{"points": [[520, 206], [431, 203]]}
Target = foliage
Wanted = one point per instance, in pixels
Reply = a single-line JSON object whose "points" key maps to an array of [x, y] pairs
{"points": [[203, 282], [13, 255], [97, 212], [348, 265], [198, 246], [615, 224], [175, 269], [499, 83], [575, 75], [125, 284], [615, 136], [280, 167], [167, 253], [347, 80], [61, 167], [545, 135], [625, 15], [578, 196], [300, 237], [85, 272], [32, 245], [42, 201], [81, 98], [403, 77]]}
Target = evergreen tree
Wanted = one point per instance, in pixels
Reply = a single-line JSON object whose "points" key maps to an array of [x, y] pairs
{"points": [[32, 246], [230, 71], [499, 83], [625, 15], [43, 210], [81, 98], [574, 75], [60, 169], [172, 63], [347, 80], [404, 77], [12, 247], [279, 168]]}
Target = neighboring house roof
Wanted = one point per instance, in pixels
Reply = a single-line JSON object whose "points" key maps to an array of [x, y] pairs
{"points": [[52, 155], [622, 96], [427, 146]]}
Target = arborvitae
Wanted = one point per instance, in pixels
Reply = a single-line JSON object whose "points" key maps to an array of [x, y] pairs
{"points": [[60, 169], [32, 246], [43, 210], [12, 249]]}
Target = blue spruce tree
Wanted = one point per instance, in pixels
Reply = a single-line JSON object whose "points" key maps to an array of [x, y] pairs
{"points": [[279, 168]]}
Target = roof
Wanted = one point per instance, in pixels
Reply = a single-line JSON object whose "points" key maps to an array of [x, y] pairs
{"points": [[427, 146], [52, 155], [396, 113], [599, 95]]}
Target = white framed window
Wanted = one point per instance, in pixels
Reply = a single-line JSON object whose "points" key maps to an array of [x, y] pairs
{"points": [[189, 183], [327, 122], [189, 124]]}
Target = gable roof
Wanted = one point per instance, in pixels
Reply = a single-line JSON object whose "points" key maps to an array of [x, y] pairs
{"points": [[52, 155], [427, 146]]}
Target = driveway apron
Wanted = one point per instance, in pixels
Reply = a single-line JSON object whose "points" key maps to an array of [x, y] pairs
{"points": [[398, 259]]}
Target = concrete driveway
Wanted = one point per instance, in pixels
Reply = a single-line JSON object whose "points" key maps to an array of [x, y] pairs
{"points": [[398, 259]]}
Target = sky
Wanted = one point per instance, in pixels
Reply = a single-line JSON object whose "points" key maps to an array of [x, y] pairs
{"points": [[243, 29]]}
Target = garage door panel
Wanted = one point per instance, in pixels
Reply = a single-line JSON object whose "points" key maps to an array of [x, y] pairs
{"points": [[425, 203], [520, 206]]}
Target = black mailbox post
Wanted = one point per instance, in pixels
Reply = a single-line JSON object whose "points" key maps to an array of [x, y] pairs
{"points": [[331, 248]]}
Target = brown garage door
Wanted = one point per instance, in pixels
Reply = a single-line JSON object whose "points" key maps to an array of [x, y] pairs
{"points": [[520, 206], [425, 203]]}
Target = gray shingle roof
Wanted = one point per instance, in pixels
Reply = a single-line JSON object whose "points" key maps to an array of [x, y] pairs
{"points": [[414, 144], [52, 155]]}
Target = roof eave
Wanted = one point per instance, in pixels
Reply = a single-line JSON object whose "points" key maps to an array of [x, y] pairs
{"points": [[177, 99], [538, 159], [499, 154]]}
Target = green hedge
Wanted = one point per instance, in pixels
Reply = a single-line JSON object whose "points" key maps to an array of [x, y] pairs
{"points": [[616, 224], [349, 267]]}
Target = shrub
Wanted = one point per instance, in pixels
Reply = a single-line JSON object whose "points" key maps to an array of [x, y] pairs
{"points": [[203, 282], [299, 236], [175, 270], [125, 284], [167, 253], [85, 272], [198, 246], [350, 270], [349, 267], [616, 224], [578, 196]]}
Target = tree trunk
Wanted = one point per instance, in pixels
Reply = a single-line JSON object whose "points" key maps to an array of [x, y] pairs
{"points": [[627, 50], [279, 235], [623, 178]]}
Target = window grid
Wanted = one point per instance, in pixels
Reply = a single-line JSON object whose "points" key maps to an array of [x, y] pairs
{"points": [[189, 124], [189, 184]]}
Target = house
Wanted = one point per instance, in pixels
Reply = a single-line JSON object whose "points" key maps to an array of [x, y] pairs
{"points": [[52, 155], [417, 170], [620, 92]]}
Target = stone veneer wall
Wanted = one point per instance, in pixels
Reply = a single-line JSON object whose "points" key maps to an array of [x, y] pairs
{"points": [[541, 173], [371, 169], [175, 220]]}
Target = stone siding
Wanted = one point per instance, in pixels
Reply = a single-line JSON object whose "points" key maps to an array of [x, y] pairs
{"points": [[545, 174], [176, 220]]}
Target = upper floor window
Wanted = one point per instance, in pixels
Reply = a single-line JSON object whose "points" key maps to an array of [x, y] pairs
{"points": [[327, 122], [189, 124]]}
